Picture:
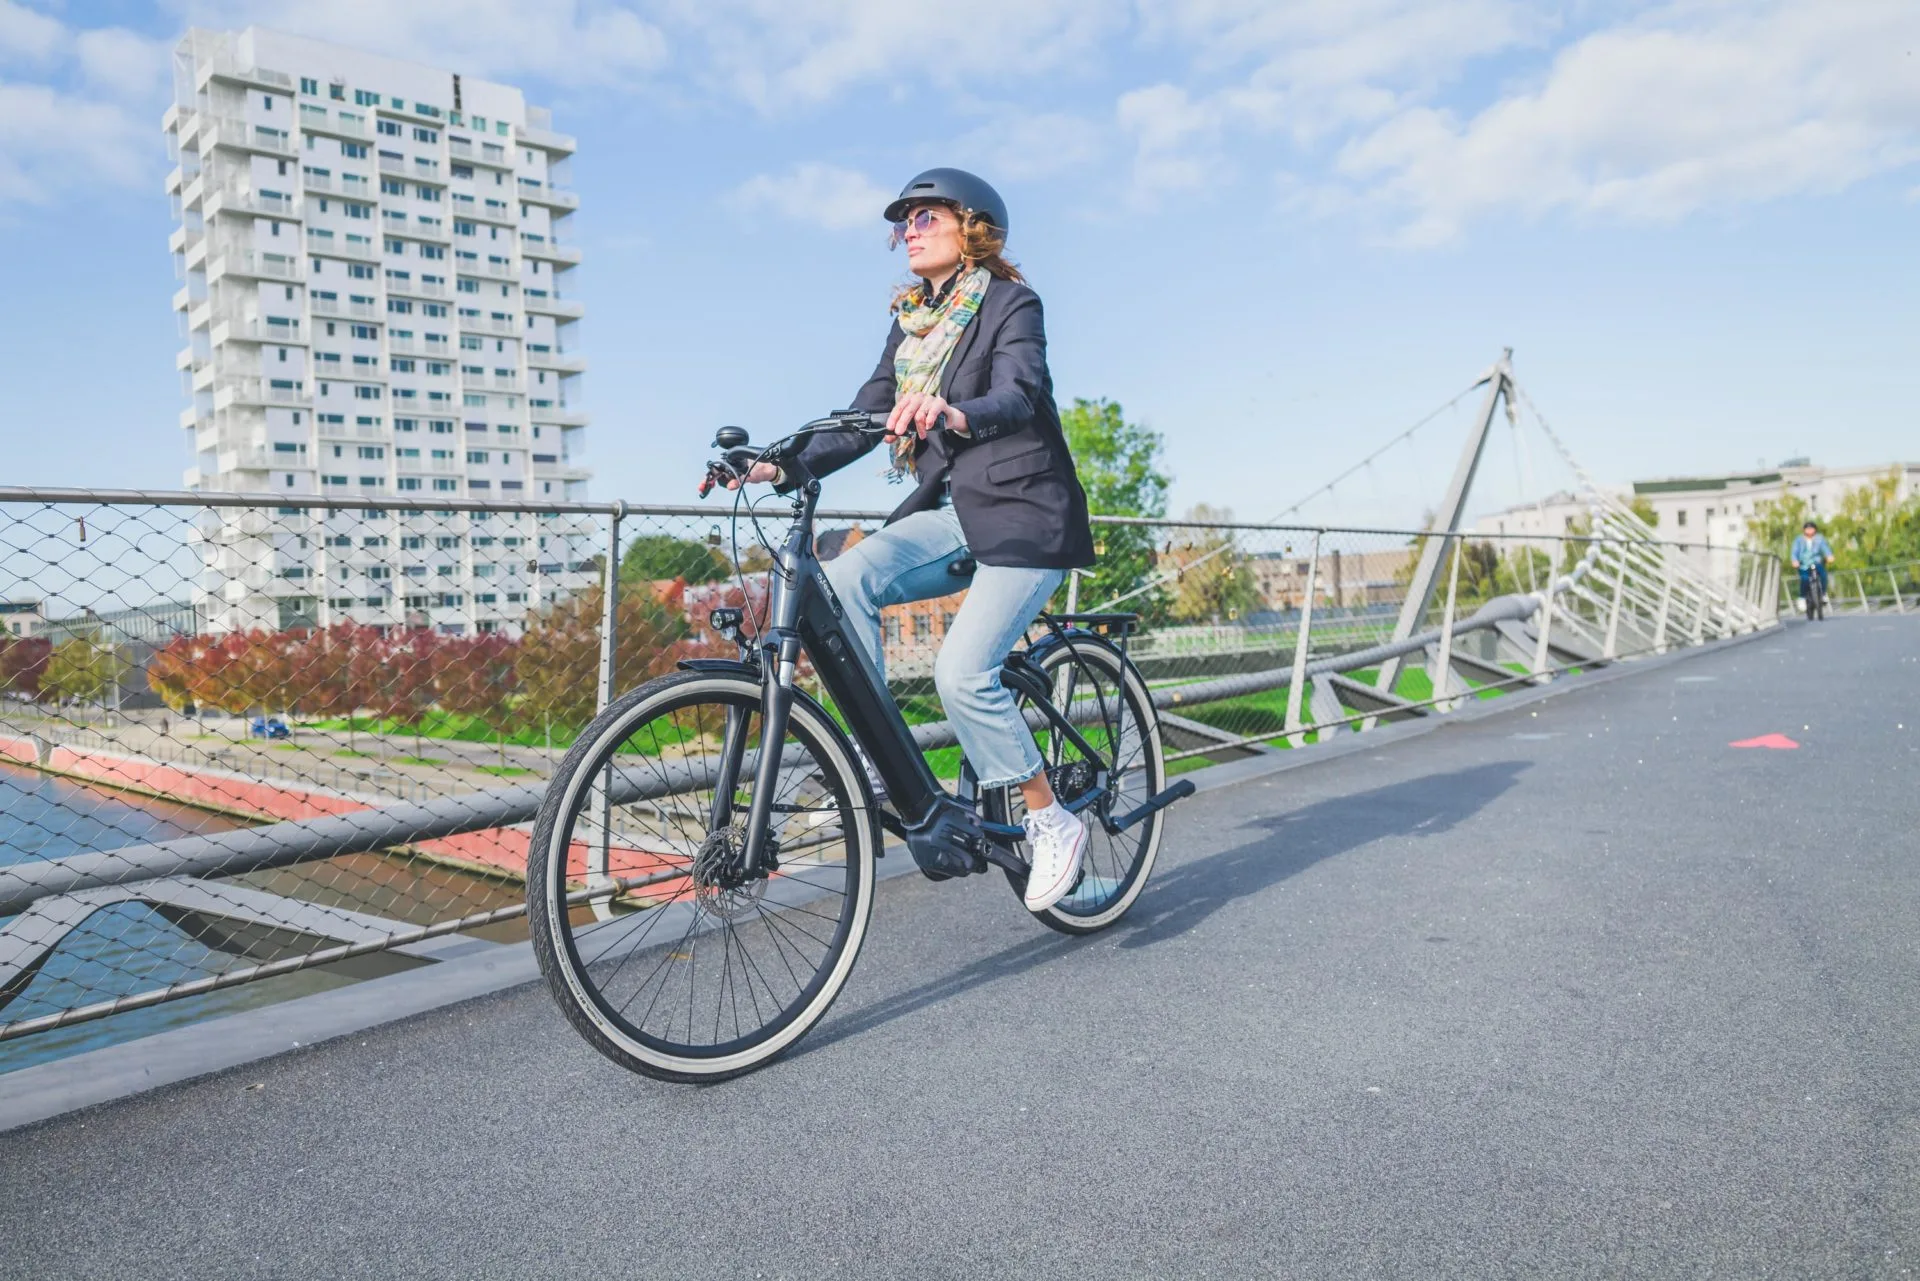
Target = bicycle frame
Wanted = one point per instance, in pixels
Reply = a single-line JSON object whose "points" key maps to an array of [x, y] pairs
{"points": [[945, 833]]}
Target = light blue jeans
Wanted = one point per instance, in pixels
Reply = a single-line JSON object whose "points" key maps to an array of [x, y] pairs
{"points": [[907, 561]]}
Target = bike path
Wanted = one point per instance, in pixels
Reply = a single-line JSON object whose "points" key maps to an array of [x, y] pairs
{"points": [[1575, 991]]}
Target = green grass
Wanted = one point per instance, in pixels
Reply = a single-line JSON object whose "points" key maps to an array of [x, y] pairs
{"points": [[502, 771], [419, 760], [442, 725], [347, 751]]}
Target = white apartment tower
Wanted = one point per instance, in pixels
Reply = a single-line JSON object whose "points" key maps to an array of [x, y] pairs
{"points": [[378, 304]]}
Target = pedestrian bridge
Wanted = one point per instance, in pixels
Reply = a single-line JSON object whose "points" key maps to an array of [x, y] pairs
{"points": [[1568, 983]]}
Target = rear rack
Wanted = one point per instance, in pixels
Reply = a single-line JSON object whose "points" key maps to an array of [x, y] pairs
{"points": [[1105, 624]]}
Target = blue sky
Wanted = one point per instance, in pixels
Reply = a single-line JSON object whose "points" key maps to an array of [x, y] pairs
{"points": [[1276, 232]]}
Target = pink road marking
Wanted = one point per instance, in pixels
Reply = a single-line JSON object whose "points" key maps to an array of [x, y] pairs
{"points": [[1779, 742]]}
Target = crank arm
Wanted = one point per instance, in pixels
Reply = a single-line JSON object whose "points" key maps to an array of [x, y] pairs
{"points": [[1154, 804]]}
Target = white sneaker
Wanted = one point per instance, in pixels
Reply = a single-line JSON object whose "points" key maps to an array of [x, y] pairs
{"points": [[1058, 839]]}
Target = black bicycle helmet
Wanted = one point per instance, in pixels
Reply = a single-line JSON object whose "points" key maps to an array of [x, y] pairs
{"points": [[954, 187]]}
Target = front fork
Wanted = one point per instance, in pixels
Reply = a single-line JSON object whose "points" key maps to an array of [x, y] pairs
{"points": [[776, 705]]}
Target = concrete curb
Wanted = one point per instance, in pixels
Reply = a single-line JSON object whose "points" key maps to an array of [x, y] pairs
{"points": [[94, 1077]]}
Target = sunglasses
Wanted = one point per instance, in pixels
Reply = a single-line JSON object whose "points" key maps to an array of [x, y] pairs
{"points": [[921, 220]]}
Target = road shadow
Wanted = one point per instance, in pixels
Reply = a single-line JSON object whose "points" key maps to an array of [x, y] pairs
{"points": [[1182, 896]]}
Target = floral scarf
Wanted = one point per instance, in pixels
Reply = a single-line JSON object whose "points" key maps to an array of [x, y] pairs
{"points": [[932, 332]]}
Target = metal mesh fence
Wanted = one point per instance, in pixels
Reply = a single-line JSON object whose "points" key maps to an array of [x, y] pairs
{"points": [[250, 739]]}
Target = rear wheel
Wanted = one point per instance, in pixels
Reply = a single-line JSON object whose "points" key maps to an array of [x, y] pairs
{"points": [[660, 954], [1108, 703]]}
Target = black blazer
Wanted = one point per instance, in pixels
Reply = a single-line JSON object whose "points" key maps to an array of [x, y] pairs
{"points": [[1014, 487]]}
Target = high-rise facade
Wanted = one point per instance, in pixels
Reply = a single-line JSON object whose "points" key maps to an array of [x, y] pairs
{"points": [[378, 303]]}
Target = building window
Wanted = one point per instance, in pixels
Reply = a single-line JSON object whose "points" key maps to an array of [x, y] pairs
{"points": [[309, 86], [1680, 517]]}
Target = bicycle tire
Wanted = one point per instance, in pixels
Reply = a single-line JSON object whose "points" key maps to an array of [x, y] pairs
{"points": [[1109, 884], [828, 893]]}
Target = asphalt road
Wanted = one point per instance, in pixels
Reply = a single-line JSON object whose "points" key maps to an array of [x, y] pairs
{"points": [[1576, 991]]}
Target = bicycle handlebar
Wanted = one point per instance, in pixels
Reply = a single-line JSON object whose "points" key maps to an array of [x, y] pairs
{"points": [[738, 458]]}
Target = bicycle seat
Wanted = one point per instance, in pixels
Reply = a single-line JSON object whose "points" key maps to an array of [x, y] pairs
{"points": [[962, 566]]}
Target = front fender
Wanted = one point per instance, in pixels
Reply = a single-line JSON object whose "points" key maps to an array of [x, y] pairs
{"points": [[732, 666]]}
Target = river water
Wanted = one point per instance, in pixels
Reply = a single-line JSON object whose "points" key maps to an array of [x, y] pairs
{"points": [[123, 949]]}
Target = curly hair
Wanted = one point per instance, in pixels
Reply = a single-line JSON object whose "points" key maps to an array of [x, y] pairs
{"points": [[981, 245]]}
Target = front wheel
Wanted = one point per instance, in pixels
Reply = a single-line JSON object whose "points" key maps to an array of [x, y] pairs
{"points": [[1104, 697], [667, 959]]}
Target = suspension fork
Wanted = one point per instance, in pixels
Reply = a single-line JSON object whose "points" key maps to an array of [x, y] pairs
{"points": [[776, 705], [733, 749]]}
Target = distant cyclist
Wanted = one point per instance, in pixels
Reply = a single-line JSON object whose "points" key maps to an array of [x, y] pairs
{"points": [[1811, 553]]}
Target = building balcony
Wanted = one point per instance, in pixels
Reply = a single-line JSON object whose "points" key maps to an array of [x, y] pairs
{"points": [[558, 415], [340, 247], [418, 288], [561, 471], [475, 267], [253, 329], [488, 325], [255, 204], [542, 194], [539, 247], [176, 180], [542, 304], [490, 154], [255, 458], [225, 67], [249, 264], [546, 140], [353, 431], [334, 307], [490, 382], [238, 135], [335, 125], [557, 360], [256, 391]]}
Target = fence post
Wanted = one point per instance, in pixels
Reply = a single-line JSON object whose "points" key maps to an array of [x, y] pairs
{"points": [[1666, 607], [1294, 737], [1861, 587], [1443, 673], [600, 855], [1899, 606], [1546, 628], [1611, 650], [1699, 620]]}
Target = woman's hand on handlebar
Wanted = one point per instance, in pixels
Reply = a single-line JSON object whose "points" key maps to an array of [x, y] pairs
{"points": [[721, 474], [918, 413]]}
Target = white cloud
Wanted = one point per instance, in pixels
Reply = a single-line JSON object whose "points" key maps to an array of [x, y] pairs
{"points": [[1701, 106], [52, 142], [776, 52], [120, 62], [571, 42], [1016, 145], [27, 36], [823, 195], [1175, 138]]}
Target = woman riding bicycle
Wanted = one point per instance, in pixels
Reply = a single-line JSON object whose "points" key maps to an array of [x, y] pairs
{"points": [[973, 426]]}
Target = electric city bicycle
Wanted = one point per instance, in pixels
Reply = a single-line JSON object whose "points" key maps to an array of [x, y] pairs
{"points": [[701, 873]]}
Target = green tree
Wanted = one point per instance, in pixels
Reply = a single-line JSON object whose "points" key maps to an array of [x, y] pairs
{"points": [[654, 557], [1121, 467], [1213, 580], [1872, 528], [82, 669]]}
